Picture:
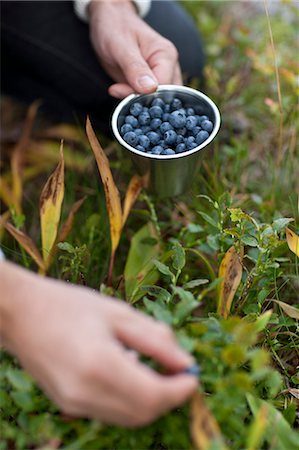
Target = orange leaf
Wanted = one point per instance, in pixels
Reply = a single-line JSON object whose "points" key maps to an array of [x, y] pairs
{"points": [[25, 242], [50, 207], [111, 191], [204, 428], [293, 241], [230, 271], [134, 188]]}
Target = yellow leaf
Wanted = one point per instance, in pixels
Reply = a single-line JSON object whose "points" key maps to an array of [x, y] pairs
{"points": [[6, 193], [257, 429], [230, 271], [204, 428], [132, 193], [111, 191], [68, 224], [25, 242], [293, 241], [50, 207], [289, 310]]}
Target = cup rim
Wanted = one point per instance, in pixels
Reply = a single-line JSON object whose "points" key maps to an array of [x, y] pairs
{"points": [[161, 88]]}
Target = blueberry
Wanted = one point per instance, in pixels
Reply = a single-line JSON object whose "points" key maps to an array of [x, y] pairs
{"points": [[140, 148], [157, 150], [177, 119], [153, 137], [175, 104], [131, 120], [195, 131], [190, 112], [144, 118], [125, 128], [158, 102], [155, 123], [207, 125], [165, 126], [192, 370], [146, 129], [167, 108], [179, 139], [201, 137], [168, 151], [170, 137], [191, 122], [162, 143], [145, 109], [182, 131], [165, 117], [156, 112], [180, 148], [136, 109], [202, 118], [190, 142], [131, 138], [144, 141], [138, 131]]}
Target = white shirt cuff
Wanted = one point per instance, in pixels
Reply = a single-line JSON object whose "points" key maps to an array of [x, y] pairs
{"points": [[81, 8]]}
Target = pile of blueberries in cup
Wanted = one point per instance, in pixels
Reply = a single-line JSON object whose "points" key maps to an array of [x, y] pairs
{"points": [[165, 128]]}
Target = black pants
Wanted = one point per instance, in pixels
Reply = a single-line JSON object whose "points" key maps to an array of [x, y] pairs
{"points": [[46, 53]]}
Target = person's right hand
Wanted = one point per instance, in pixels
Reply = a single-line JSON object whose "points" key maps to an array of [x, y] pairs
{"points": [[75, 343]]}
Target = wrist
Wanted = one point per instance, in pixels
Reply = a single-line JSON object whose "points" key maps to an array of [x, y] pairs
{"points": [[94, 6]]}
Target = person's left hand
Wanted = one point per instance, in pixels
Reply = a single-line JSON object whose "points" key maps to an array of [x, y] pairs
{"points": [[131, 52]]}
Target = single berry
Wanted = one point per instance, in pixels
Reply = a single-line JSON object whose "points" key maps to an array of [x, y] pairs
{"points": [[144, 118], [202, 118], [165, 117], [136, 109], [153, 137], [207, 125], [145, 129], [155, 112], [167, 108], [162, 143], [182, 131], [191, 122], [190, 142], [131, 120], [177, 119], [195, 131], [131, 138], [157, 150], [201, 137], [155, 124], [165, 126], [170, 137], [193, 370], [125, 128], [179, 139], [158, 102], [140, 148], [168, 151], [175, 104], [144, 141], [190, 112], [180, 148], [138, 131]]}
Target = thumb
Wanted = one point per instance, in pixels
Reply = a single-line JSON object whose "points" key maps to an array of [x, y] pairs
{"points": [[137, 72]]}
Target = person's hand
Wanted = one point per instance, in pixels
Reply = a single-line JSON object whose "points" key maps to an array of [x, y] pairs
{"points": [[76, 343], [131, 52]]}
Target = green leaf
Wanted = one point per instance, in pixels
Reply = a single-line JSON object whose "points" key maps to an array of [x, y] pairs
{"points": [[278, 433], [159, 310], [194, 283], [208, 219], [163, 269], [249, 240], [66, 247], [194, 228], [24, 400], [178, 258], [185, 306], [157, 292], [19, 379], [280, 224], [140, 269]]}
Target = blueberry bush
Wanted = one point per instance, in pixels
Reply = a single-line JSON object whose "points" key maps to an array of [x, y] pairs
{"points": [[219, 263]]}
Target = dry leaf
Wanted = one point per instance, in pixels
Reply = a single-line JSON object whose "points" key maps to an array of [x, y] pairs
{"points": [[204, 428], [294, 392], [111, 191], [230, 271], [293, 241], [68, 224], [6, 193], [50, 207], [134, 188], [25, 242], [288, 309]]}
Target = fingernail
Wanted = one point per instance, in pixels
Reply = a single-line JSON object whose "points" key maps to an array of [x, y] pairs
{"points": [[147, 82]]}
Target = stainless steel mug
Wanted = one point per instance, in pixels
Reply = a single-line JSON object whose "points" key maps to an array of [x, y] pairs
{"points": [[168, 175]]}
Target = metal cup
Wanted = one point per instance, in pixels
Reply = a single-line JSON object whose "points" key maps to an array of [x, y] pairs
{"points": [[168, 175]]}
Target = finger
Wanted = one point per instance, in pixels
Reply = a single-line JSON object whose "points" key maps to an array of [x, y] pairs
{"points": [[120, 90], [177, 77], [135, 69], [152, 338], [163, 64]]}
